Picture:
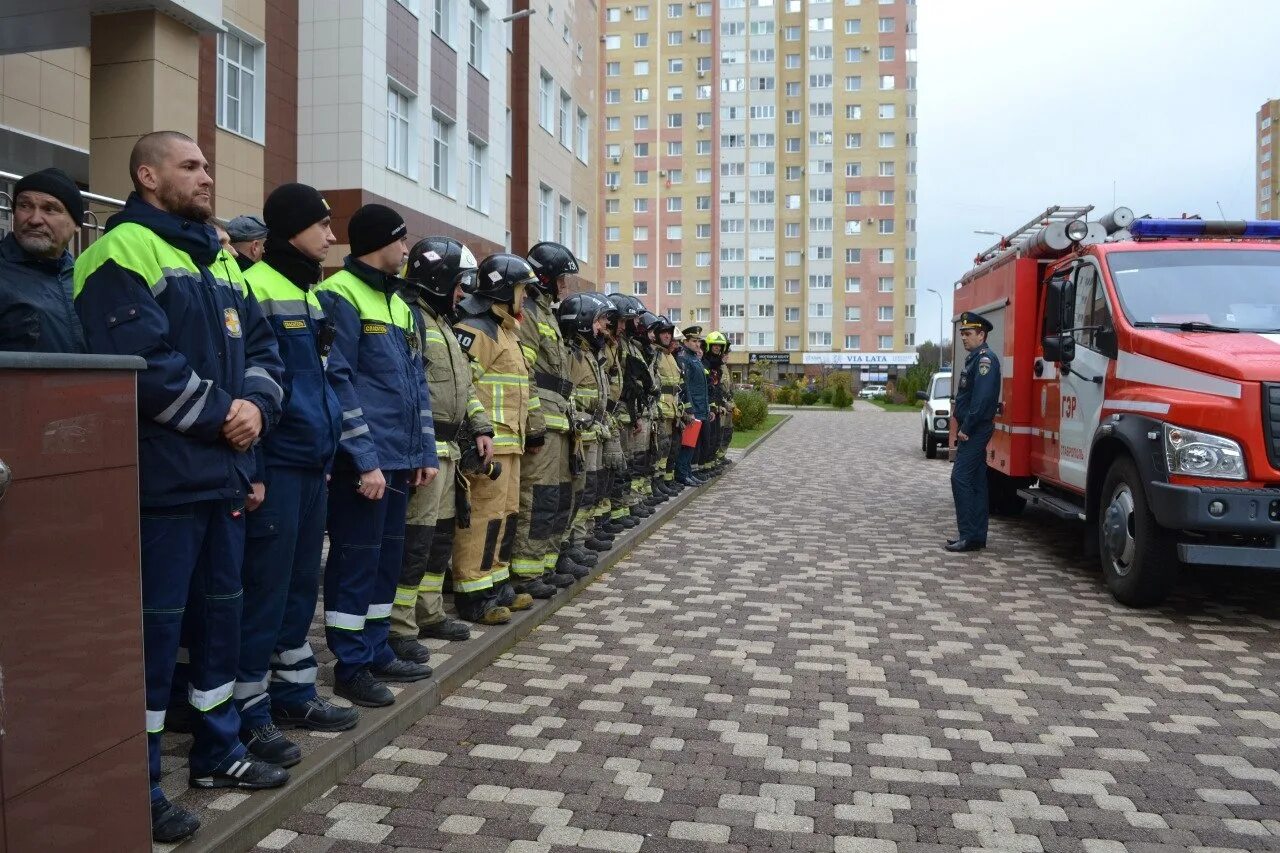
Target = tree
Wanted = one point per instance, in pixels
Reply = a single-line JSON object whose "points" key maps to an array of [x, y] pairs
{"points": [[928, 355]]}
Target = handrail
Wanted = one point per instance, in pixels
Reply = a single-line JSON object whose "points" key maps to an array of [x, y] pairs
{"points": [[85, 194]]}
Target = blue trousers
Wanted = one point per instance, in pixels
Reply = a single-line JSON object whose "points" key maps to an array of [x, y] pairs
{"points": [[969, 485], [191, 598], [366, 547], [281, 583]]}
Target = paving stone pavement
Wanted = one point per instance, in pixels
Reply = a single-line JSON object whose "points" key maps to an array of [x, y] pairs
{"points": [[793, 663]]}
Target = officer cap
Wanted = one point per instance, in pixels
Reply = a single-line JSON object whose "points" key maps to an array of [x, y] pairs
{"points": [[972, 320], [693, 333]]}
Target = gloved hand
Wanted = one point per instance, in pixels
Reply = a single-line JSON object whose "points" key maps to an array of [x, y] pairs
{"points": [[613, 458]]}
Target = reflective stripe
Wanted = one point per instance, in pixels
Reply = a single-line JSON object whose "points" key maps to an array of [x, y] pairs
{"points": [[500, 575], [354, 413], [296, 676], [431, 583], [379, 611], [474, 407], [507, 441], [343, 621], [155, 722], [363, 429], [530, 354], [261, 697], [589, 393], [246, 689], [548, 331], [525, 567], [198, 406], [289, 657], [405, 596], [273, 388], [485, 582], [503, 379], [556, 422], [550, 560], [207, 700], [168, 414], [434, 337]]}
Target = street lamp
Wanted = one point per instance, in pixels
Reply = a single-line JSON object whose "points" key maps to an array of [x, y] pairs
{"points": [[515, 16], [992, 233], [941, 323]]}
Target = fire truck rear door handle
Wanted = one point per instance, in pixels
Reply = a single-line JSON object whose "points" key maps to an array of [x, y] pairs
{"points": [[6, 477]]}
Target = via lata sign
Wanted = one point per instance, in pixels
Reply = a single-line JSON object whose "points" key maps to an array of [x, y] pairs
{"points": [[861, 359]]}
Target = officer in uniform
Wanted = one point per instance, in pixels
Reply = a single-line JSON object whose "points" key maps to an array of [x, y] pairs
{"points": [[546, 480], [977, 401], [696, 396], [486, 331], [387, 445], [582, 320], [158, 285], [276, 679], [438, 270]]}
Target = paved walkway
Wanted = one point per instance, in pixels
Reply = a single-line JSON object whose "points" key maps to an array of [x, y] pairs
{"points": [[794, 664]]}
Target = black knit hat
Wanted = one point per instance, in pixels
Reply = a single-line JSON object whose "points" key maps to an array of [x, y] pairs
{"points": [[58, 184], [292, 208], [372, 227]]}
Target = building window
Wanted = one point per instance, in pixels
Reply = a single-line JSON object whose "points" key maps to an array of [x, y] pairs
{"points": [[853, 342], [885, 313], [399, 137], [853, 313], [792, 342], [584, 137], [820, 339], [241, 84], [580, 236], [641, 287], [441, 158], [673, 287], [545, 227], [475, 44], [546, 103], [442, 19], [563, 233], [565, 126], [477, 190], [885, 342]]}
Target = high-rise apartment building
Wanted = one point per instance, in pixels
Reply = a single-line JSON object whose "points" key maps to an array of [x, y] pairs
{"points": [[759, 173], [1268, 190]]}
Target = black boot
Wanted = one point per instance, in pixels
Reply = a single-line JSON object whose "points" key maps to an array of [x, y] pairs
{"points": [[170, 823], [599, 545], [317, 715], [401, 671], [558, 580], [407, 648], [582, 556], [267, 743], [567, 566], [452, 630], [363, 689], [534, 587]]}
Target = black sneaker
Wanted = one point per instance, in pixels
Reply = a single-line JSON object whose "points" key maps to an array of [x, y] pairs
{"points": [[267, 743], [171, 824], [318, 715], [407, 648], [446, 629], [536, 588], [401, 671], [558, 579], [365, 690], [248, 772]]}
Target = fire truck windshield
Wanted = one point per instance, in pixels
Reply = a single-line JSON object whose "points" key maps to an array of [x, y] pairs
{"points": [[1198, 289]]}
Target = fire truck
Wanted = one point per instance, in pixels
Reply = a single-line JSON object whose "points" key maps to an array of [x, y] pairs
{"points": [[1140, 387]]}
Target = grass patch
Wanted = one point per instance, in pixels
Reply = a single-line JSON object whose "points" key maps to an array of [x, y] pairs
{"points": [[745, 437], [894, 407]]}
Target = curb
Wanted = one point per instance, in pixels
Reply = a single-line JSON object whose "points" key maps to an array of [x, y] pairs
{"points": [[242, 829]]}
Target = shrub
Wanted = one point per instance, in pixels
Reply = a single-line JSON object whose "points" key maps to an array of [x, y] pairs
{"points": [[808, 398], [841, 398], [897, 398], [752, 409], [824, 396]]}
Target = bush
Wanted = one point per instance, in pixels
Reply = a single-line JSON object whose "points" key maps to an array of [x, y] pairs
{"points": [[841, 398], [897, 398], [752, 409], [783, 397], [808, 398], [824, 396]]}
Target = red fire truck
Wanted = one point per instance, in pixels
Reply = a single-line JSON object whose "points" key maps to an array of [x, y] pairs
{"points": [[1141, 387]]}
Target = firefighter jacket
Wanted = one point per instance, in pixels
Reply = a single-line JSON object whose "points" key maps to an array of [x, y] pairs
{"points": [[307, 435], [611, 363], [548, 358], [670, 380], [590, 392], [453, 396], [695, 383], [159, 286], [377, 369], [501, 377], [638, 387]]}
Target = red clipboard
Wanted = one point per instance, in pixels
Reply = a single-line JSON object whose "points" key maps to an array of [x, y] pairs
{"points": [[689, 438]]}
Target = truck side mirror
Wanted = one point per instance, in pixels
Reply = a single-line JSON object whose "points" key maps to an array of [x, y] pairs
{"points": [[1068, 303], [1060, 349]]}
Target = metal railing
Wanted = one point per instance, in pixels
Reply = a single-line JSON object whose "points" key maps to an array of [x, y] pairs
{"points": [[97, 209]]}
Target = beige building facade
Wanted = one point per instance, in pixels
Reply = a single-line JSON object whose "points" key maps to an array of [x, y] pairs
{"points": [[1267, 137], [759, 174]]}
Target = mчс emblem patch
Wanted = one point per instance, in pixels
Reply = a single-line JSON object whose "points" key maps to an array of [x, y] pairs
{"points": [[231, 320]]}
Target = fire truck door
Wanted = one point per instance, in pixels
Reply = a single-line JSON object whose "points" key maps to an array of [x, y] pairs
{"points": [[1083, 385]]}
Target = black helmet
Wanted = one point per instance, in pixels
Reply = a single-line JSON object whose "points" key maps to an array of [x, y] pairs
{"points": [[577, 314], [550, 261], [499, 275], [628, 306], [660, 324], [439, 264]]}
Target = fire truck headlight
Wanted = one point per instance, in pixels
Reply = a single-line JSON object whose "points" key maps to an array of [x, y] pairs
{"points": [[1202, 454]]}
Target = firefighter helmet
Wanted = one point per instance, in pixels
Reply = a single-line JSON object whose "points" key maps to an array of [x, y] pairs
{"points": [[439, 264], [499, 275], [551, 261], [577, 314]]}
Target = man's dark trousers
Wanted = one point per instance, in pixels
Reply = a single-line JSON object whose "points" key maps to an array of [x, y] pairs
{"points": [[969, 485], [191, 597], [281, 583], [366, 549]]}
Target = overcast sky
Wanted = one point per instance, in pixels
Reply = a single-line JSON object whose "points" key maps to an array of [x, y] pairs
{"points": [[1027, 104]]}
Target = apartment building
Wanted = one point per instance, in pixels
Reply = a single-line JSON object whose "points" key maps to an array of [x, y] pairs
{"points": [[759, 174], [554, 127], [1268, 204]]}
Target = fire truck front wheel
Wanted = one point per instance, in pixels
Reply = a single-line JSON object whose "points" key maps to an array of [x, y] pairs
{"points": [[1139, 562]]}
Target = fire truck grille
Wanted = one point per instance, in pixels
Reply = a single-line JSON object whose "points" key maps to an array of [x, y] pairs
{"points": [[1271, 421]]}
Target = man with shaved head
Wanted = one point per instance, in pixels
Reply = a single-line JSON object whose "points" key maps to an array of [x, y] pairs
{"points": [[159, 285]]}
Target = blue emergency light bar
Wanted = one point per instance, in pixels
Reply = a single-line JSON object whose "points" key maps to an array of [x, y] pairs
{"points": [[1187, 228]]}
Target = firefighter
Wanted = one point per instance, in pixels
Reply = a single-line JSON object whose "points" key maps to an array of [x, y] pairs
{"points": [[615, 452], [695, 384], [438, 269], [582, 319], [637, 397], [486, 331], [658, 447], [276, 679], [977, 399], [709, 440], [612, 462], [546, 480], [157, 284], [387, 445], [667, 421]]}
